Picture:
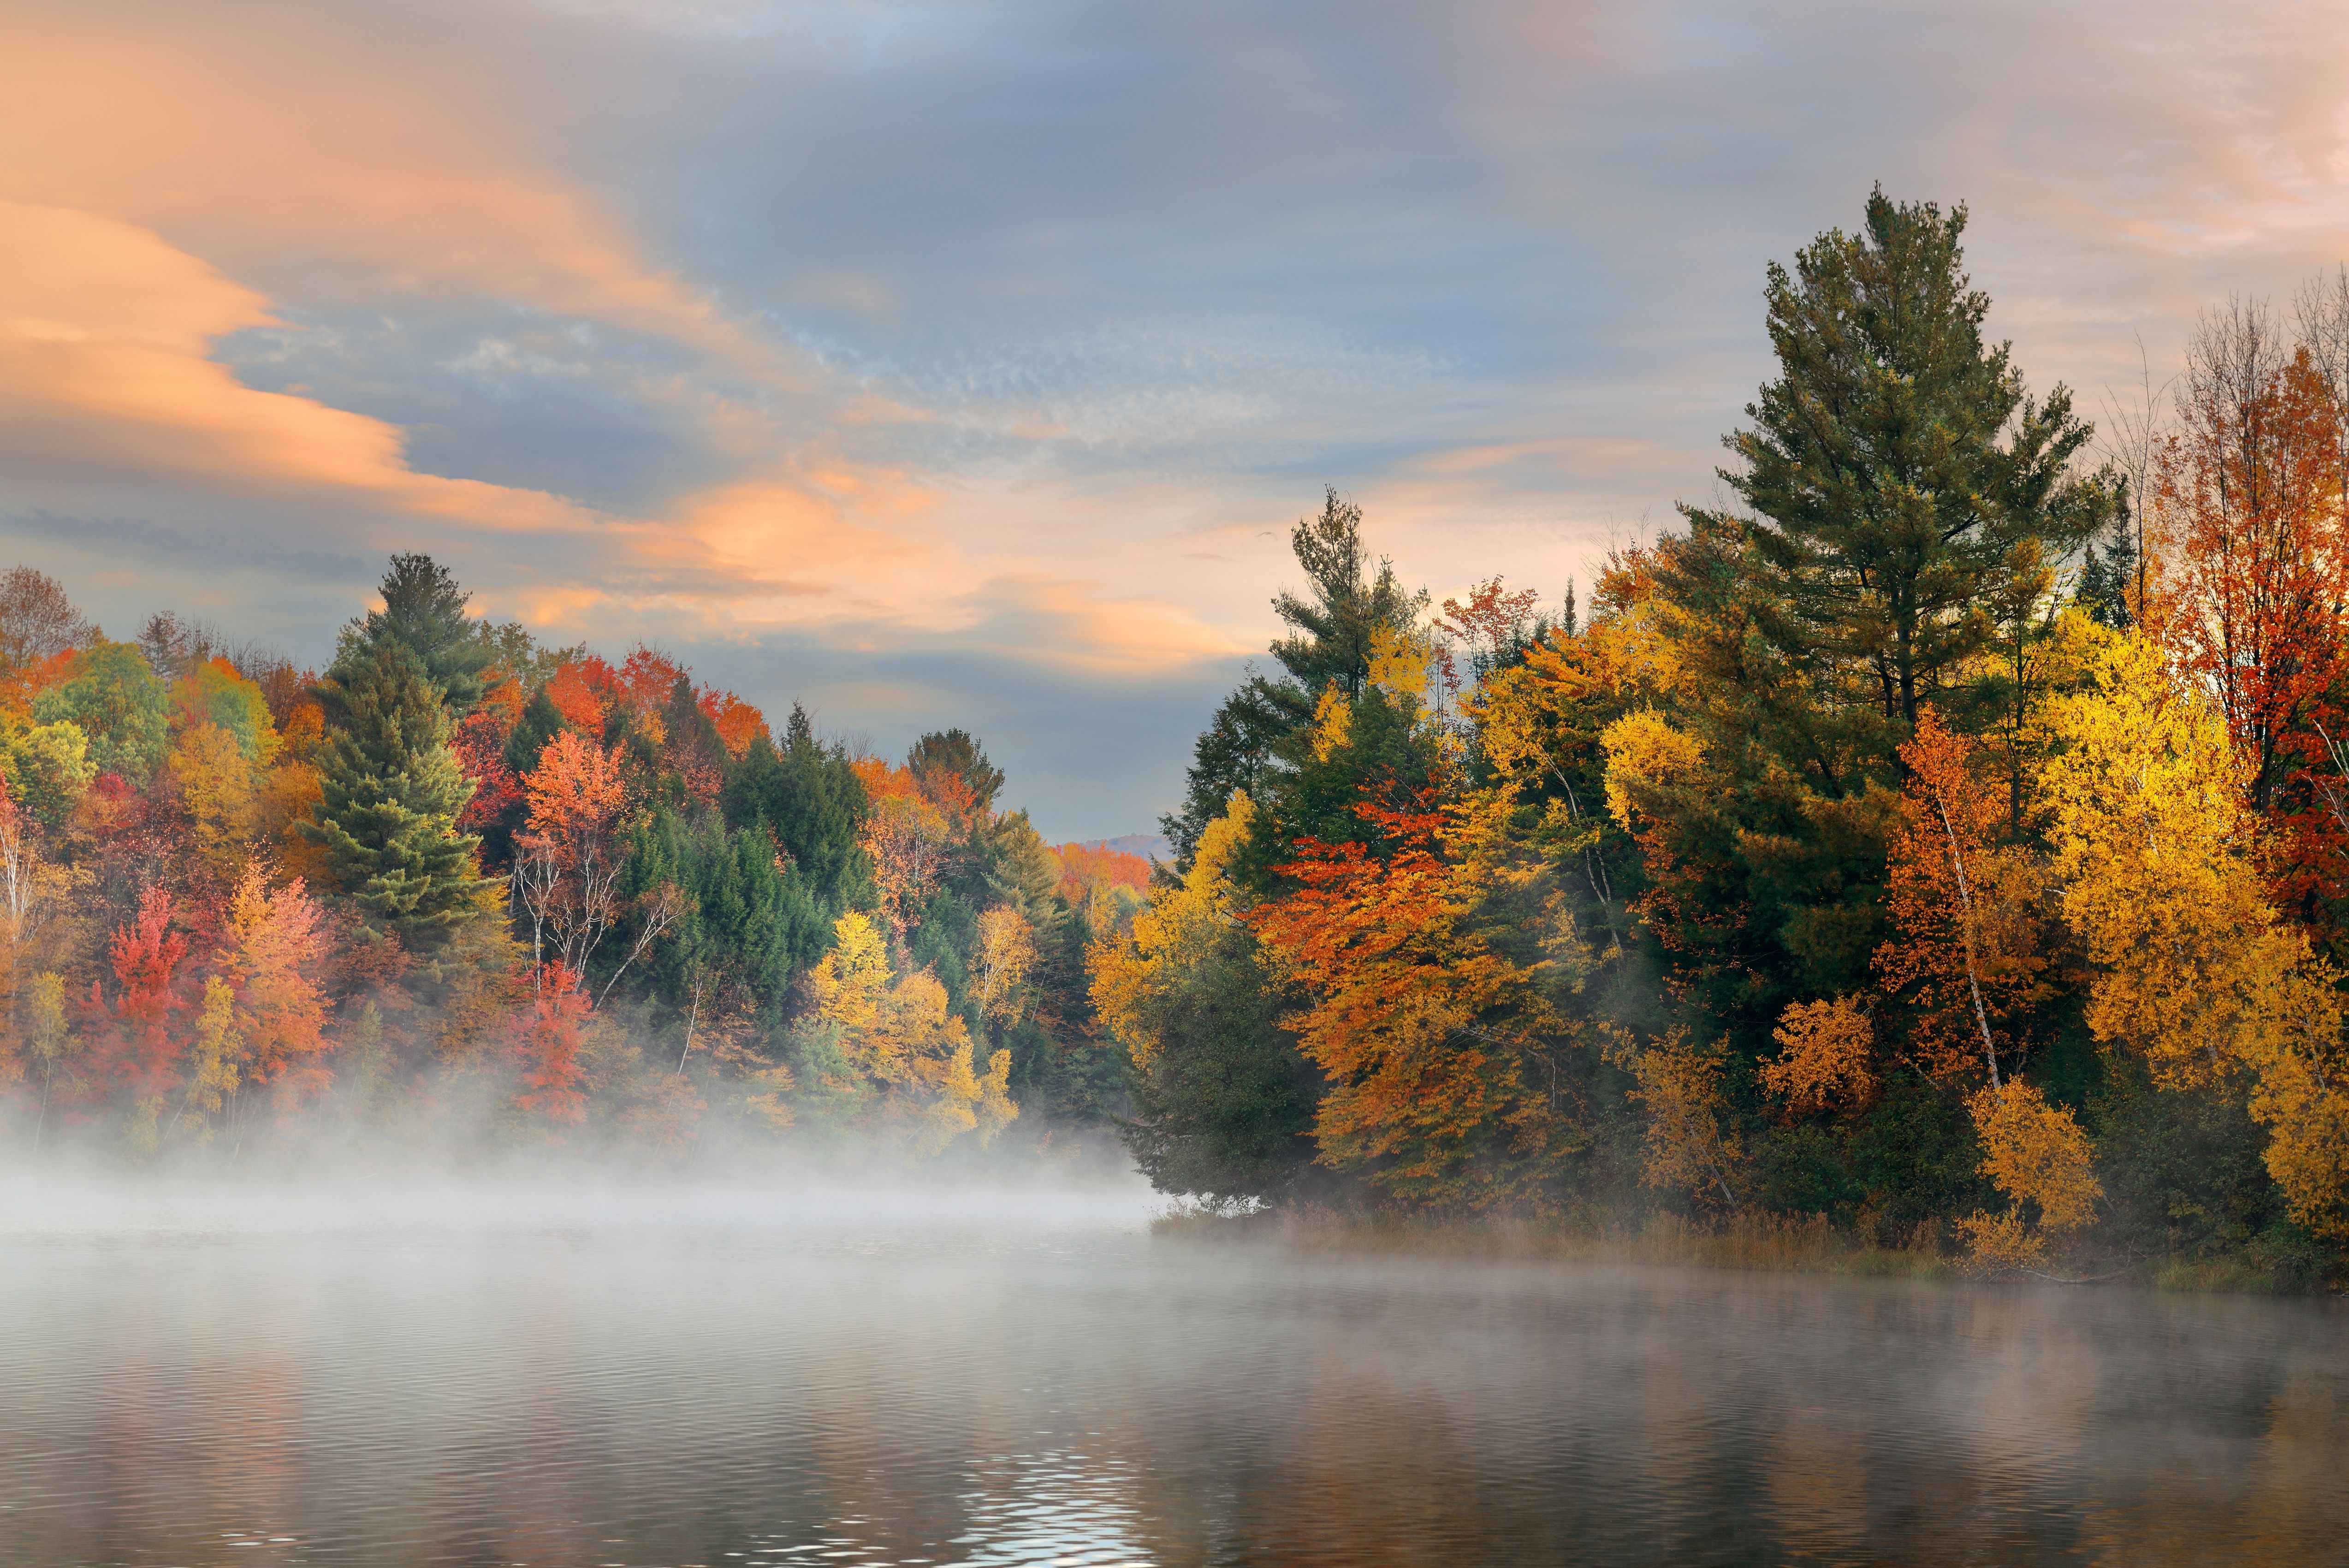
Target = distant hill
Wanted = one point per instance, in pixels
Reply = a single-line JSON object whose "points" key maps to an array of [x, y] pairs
{"points": [[1149, 845]]}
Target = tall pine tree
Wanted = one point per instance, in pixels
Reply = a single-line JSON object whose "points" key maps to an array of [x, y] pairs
{"points": [[1901, 479], [424, 612], [1349, 601], [392, 790]]}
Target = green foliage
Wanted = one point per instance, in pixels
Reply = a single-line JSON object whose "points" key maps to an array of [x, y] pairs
{"points": [[1904, 478], [2107, 581], [1348, 604], [1236, 754], [423, 612], [957, 752], [392, 792], [1224, 1105], [212, 693], [1258, 732], [748, 928], [810, 798], [1915, 1155], [941, 942], [111, 696], [540, 722], [522, 657], [46, 767], [2184, 1172], [1012, 865]]}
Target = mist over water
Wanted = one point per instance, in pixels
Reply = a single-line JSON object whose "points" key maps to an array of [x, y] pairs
{"points": [[553, 1371]]}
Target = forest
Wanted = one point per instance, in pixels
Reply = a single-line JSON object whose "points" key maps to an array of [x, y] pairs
{"points": [[463, 895], [1944, 843]]}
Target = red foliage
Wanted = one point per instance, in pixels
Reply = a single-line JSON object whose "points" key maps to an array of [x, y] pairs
{"points": [[479, 744], [137, 1050], [738, 724], [546, 1039], [581, 691]]}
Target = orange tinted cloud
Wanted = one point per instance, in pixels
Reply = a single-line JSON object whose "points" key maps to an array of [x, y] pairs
{"points": [[269, 136]]}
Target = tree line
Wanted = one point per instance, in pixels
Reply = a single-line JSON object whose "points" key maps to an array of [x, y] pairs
{"points": [[466, 891], [1948, 837]]}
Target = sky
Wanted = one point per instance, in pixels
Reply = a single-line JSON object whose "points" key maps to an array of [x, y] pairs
{"points": [[937, 364]]}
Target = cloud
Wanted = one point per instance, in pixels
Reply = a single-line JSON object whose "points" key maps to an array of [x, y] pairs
{"points": [[970, 362]]}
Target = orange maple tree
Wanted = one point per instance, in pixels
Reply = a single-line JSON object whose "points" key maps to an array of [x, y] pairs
{"points": [[546, 1037], [1443, 1084], [568, 859], [274, 943], [1967, 955]]}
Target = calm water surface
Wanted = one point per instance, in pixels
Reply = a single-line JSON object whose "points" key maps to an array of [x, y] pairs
{"points": [[741, 1380]]}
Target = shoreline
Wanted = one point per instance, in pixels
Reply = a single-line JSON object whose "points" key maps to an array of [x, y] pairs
{"points": [[1744, 1243]]}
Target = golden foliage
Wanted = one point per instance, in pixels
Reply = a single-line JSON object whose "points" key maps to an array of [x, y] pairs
{"points": [[1333, 722], [1827, 1057], [216, 785], [1006, 950], [1646, 753], [908, 1049], [2194, 968], [1178, 929], [1692, 1144], [2034, 1152]]}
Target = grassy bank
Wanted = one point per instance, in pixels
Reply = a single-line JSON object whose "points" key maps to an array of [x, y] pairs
{"points": [[1752, 1242]]}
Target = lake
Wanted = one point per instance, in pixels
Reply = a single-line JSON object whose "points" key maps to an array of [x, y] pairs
{"points": [[743, 1379]]}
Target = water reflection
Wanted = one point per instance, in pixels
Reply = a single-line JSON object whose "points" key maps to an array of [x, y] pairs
{"points": [[721, 1386]]}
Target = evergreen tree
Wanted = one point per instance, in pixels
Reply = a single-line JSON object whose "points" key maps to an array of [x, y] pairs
{"points": [[1252, 736], [957, 752], [392, 792], [810, 798], [2105, 582], [1902, 478], [540, 722], [424, 612]]}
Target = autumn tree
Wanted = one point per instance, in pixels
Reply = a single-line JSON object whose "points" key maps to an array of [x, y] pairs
{"points": [[2252, 494], [1442, 1055], [110, 695], [1966, 955], [571, 855], [138, 1057], [2193, 969], [546, 1038], [897, 1048], [37, 621], [1222, 1100], [273, 948]]}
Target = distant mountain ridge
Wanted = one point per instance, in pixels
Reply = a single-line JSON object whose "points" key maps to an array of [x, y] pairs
{"points": [[1149, 845]]}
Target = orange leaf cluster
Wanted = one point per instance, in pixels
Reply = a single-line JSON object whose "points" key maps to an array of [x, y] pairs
{"points": [[1428, 1086], [1966, 956]]}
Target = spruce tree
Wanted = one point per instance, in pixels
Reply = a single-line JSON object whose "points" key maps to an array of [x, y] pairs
{"points": [[1900, 474], [809, 797], [392, 790], [540, 722], [424, 612], [1348, 603]]}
